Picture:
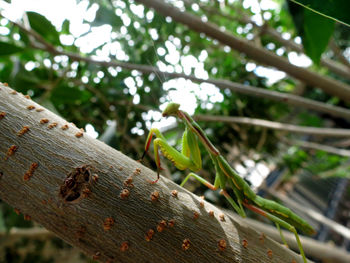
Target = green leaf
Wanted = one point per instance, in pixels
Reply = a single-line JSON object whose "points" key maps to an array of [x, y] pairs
{"points": [[107, 16], [44, 27], [337, 10], [65, 27], [9, 49], [317, 32]]}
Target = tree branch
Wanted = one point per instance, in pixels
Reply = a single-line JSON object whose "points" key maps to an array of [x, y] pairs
{"points": [[221, 83], [328, 85], [318, 147], [339, 53], [99, 200], [333, 66], [325, 132]]}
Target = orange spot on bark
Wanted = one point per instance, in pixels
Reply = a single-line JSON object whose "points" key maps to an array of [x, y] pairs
{"points": [[52, 125], [244, 243], [222, 244], [186, 243], [23, 130], [108, 223], [155, 196], [124, 194], [269, 253], [31, 107], [124, 246], [149, 235], [161, 226], [30, 171], [44, 120], [174, 193], [171, 223], [222, 217], [11, 151]]}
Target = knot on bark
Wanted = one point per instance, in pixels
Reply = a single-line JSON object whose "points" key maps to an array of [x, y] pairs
{"points": [[76, 184]]}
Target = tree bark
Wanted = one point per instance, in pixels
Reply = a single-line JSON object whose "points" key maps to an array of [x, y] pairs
{"points": [[328, 85], [99, 200]]}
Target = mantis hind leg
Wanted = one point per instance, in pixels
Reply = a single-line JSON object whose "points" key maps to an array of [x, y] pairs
{"points": [[214, 187], [200, 179], [278, 222], [281, 234], [239, 199]]}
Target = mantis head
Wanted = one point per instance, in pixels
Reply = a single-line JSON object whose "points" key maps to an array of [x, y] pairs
{"points": [[171, 109]]}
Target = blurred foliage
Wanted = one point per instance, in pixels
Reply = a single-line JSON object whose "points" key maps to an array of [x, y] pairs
{"points": [[87, 93]]}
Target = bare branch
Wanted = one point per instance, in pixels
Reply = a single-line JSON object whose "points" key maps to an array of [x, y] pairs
{"points": [[339, 53], [324, 132], [318, 147], [32, 233], [328, 85], [333, 66]]}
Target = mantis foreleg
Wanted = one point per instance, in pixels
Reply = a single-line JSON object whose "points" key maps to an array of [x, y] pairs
{"points": [[186, 159]]}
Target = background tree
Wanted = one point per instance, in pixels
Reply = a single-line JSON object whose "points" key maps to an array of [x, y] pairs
{"points": [[115, 84]]}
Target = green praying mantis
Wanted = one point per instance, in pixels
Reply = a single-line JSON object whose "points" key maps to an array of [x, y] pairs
{"points": [[190, 157]]}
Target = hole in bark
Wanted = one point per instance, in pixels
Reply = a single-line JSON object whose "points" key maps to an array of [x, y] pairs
{"points": [[72, 197], [74, 184]]}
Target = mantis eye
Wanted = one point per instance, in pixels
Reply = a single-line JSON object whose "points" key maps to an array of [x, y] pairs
{"points": [[171, 109]]}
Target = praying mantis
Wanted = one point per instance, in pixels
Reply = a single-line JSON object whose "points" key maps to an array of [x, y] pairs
{"points": [[190, 157]]}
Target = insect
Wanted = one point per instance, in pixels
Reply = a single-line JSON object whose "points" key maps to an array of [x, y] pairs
{"points": [[190, 157]]}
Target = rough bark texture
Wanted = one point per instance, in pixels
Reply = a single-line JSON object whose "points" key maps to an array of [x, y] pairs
{"points": [[73, 185]]}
